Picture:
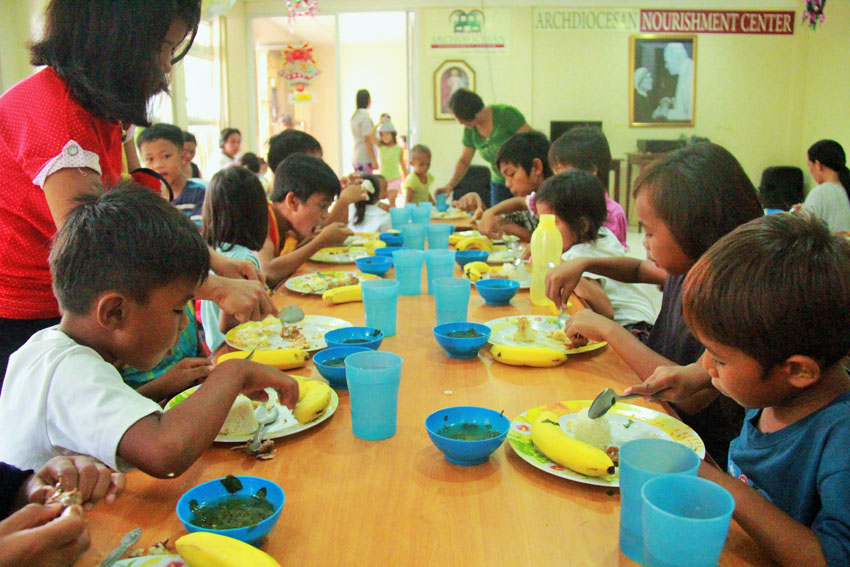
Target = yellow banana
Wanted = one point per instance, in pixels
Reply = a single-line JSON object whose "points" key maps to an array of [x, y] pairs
{"points": [[282, 358], [343, 294], [315, 401], [576, 455], [475, 243], [474, 270], [204, 549], [540, 357]]}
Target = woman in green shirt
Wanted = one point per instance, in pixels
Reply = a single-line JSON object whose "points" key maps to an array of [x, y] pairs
{"points": [[486, 128]]}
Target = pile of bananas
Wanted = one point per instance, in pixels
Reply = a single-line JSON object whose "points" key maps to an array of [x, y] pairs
{"points": [[204, 549], [474, 271], [475, 243], [343, 294], [539, 357], [581, 457]]}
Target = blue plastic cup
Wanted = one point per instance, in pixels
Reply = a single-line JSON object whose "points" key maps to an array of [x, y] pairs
{"points": [[414, 235], [438, 235], [685, 521], [399, 217], [439, 264], [451, 296], [442, 204], [380, 302], [410, 206], [421, 214], [642, 460], [373, 380], [408, 270]]}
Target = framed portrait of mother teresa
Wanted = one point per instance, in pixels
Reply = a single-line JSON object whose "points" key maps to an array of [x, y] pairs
{"points": [[662, 77]]}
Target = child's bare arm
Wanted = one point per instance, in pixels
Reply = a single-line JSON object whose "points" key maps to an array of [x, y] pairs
{"points": [[591, 292], [182, 375], [786, 540], [165, 445]]}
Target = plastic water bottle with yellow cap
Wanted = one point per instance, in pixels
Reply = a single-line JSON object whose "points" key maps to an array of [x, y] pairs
{"points": [[546, 248]]}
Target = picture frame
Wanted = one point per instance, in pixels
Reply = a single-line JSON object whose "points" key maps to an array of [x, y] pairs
{"points": [[451, 75], [662, 80]]}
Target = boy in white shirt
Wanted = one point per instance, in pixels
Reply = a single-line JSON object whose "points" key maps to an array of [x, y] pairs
{"points": [[124, 264]]}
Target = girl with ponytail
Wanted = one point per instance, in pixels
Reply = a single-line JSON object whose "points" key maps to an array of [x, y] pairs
{"points": [[367, 215]]}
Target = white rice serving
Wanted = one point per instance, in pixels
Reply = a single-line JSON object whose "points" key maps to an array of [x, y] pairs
{"points": [[240, 419], [596, 432]]}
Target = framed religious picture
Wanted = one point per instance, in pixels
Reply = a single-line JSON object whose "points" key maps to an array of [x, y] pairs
{"points": [[450, 76], [662, 80]]}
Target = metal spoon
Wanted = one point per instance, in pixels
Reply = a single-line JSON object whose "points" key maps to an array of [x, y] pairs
{"points": [[290, 314], [605, 401], [562, 318], [264, 416]]}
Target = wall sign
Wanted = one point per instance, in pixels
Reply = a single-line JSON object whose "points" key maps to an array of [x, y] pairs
{"points": [[472, 31]]}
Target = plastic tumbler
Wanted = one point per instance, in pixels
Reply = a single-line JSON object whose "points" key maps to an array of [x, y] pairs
{"points": [[439, 264], [408, 271], [373, 382], [399, 217], [642, 460], [421, 214], [442, 204], [414, 235], [451, 296], [438, 235], [380, 302], [685, 521]]}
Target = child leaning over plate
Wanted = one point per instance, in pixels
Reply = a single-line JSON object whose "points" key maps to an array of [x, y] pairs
{"points": [[124, 264]]}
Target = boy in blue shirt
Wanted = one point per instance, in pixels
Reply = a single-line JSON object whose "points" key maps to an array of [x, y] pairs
{"points": [[124, 264], [771, 303], [161, 149]]}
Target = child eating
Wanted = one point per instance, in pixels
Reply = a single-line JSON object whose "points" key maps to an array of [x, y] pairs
{"points": [[771, 303], [124, 264]]}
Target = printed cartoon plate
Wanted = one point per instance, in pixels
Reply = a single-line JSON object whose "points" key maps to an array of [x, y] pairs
{"points": [[308, 334], [544, 329], [286, 424], [339, 254], [319, 282], [628, 422]]}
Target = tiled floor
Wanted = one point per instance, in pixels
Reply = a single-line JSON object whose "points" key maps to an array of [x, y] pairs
{"points": [[636, 250]]}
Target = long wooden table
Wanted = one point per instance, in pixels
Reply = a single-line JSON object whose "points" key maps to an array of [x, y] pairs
{"points": [[351, 502]]}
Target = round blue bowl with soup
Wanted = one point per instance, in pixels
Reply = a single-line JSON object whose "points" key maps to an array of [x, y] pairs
{"points": [[464, 257], [497, 291], [387, 251], [368, 337], [242, 507], [330, 363], [392, 238], [467, 435], [462, 339], [376, 265]]}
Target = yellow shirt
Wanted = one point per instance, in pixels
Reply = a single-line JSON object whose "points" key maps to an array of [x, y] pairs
{"points": [[421, 192]]}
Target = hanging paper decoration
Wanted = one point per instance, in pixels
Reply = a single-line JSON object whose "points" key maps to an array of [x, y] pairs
{"points": [[299, 67], [297, 8], [813, 14]]}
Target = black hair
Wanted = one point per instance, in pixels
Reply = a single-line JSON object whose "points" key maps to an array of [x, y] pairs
{"points": [[394, 134], [225, 134], [578, 199], [465, 104], [129, 240], [108, 53], [235, 210], [288, 142], [419, 149], [701, 193], [374, 197], [189, 137], [250, 161], [583, 147], [362, 98], [162, 131], [522, 149], [830, 154], [303, 175]]}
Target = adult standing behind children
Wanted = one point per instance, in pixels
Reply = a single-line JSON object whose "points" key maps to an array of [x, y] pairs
{"points": [[161, 149], [229, 143], [485, 129], [829, 200], [363, 131], [63, 133]]}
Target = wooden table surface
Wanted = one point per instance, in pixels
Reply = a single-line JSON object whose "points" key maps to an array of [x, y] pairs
{"points": [[351, 502]]}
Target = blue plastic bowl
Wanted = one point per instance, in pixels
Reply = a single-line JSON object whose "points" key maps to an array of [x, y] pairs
{"points": [[214, 490], [497, 291], [335, 374], [377, 265], [355, 336], [462, 347], [463, 257], [467, 453], [387, 251], [391, 238]]}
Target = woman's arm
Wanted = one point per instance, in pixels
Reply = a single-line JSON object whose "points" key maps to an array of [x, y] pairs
{"points": [[132, 155], [63, 186], [460, 170]]}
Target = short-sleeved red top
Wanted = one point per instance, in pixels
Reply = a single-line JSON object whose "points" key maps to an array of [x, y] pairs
{"points": [[42, 129]]}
